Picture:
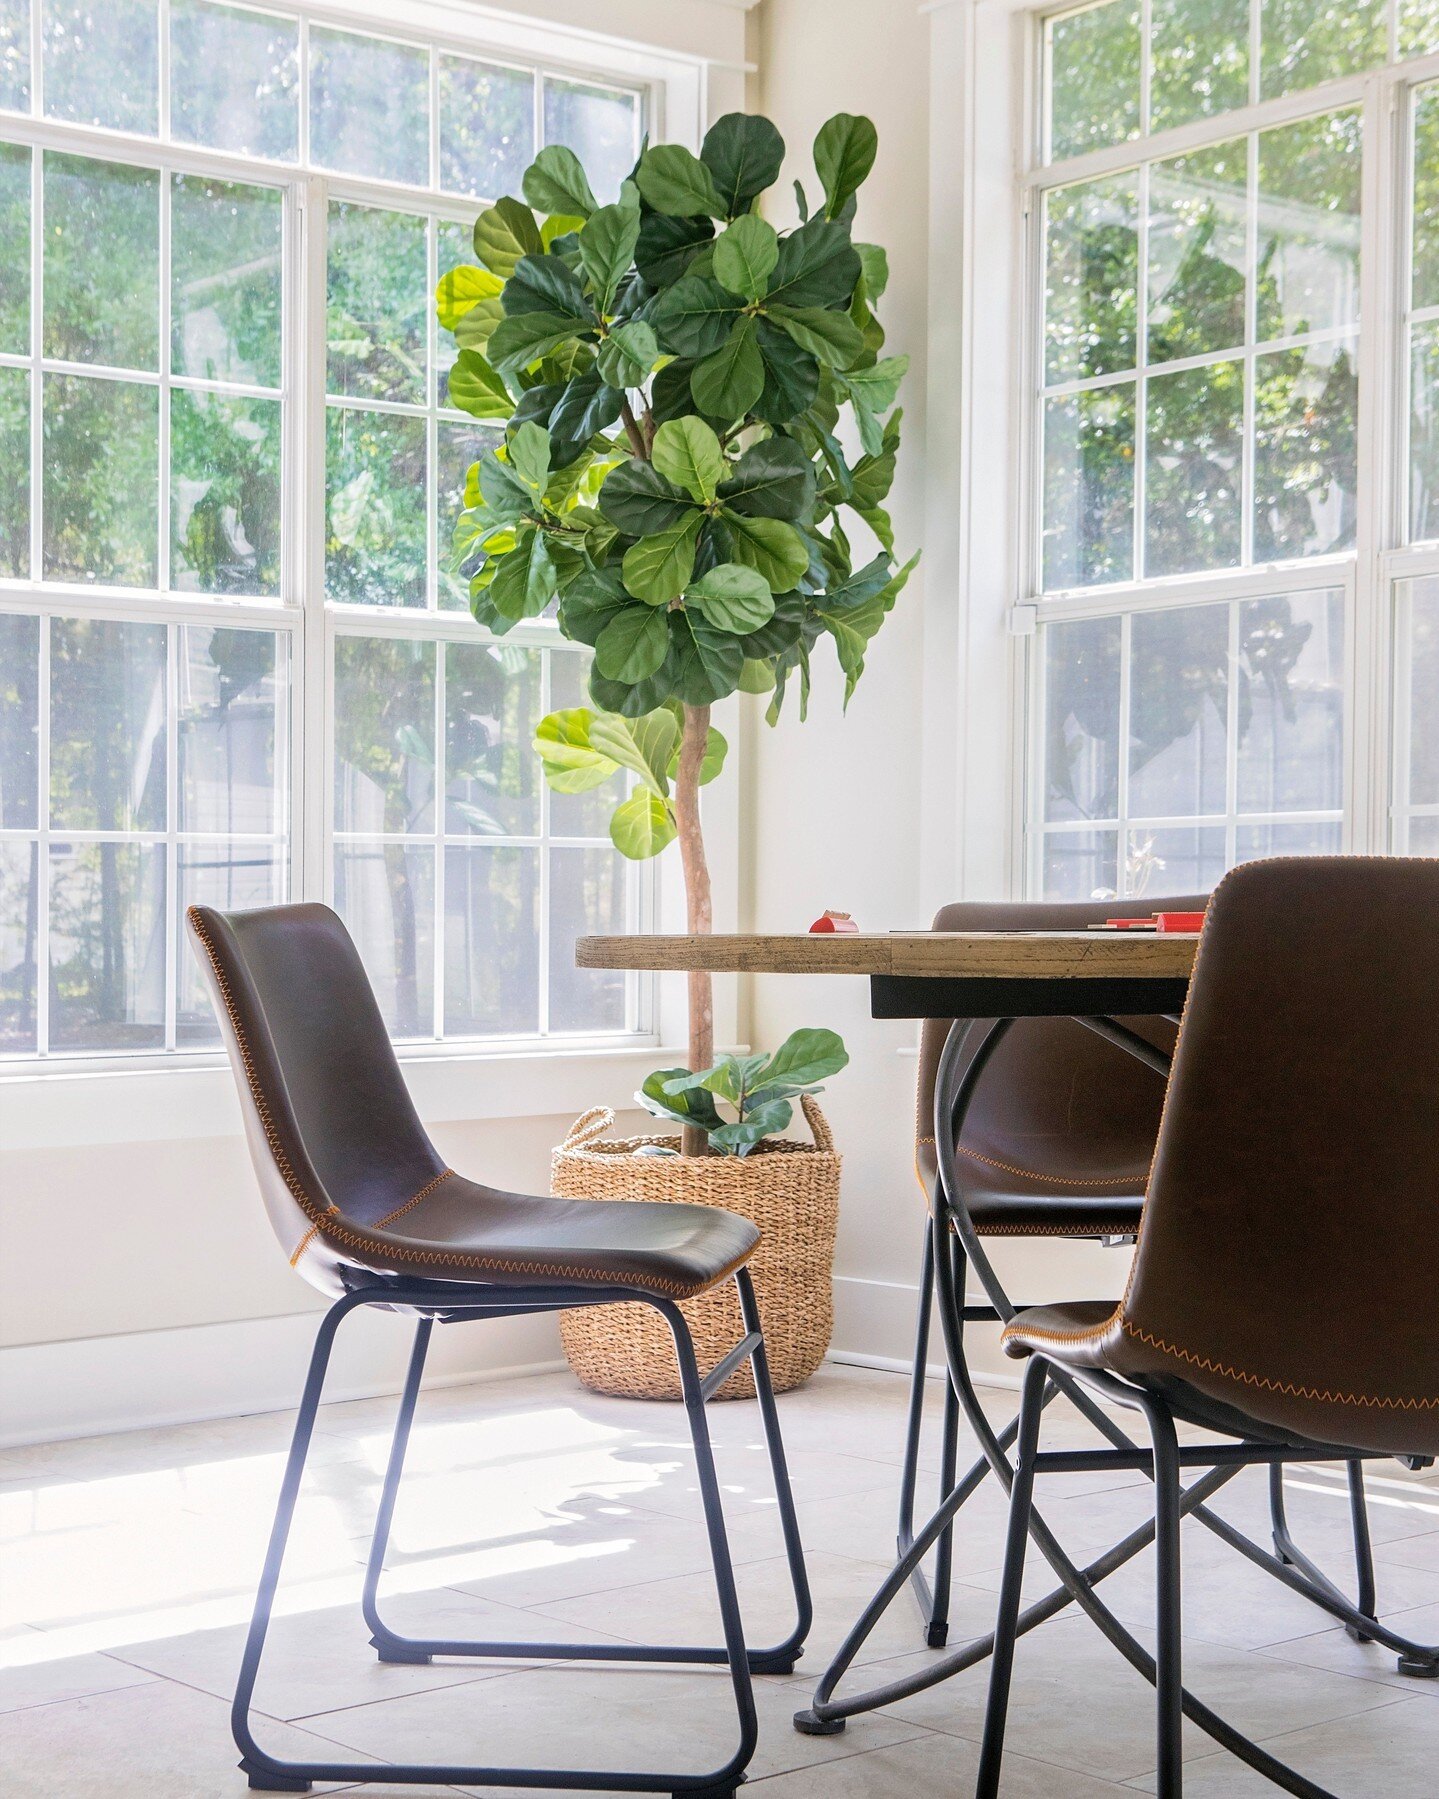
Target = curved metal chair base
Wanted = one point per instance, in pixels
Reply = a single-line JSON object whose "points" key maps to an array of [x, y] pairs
{"points": [[268, 1774]]}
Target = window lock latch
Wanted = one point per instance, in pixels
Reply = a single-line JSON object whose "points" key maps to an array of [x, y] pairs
{"points": [[1022, 620]]}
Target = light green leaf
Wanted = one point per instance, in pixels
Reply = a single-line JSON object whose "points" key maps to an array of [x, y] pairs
{"points": [[829, 335], [756, 677], [647, 745], [687, 452], [628, 354], [555, 182], [729, 382], [803, 1059], [504, 233], [476, 388], [744, 257], [674, 180], [529, 455], [770, 546], [559, 224], [733, 598], [571, 762], [657, 568], [844, 153], [474, 330], [462, 290], [607, 245], [875, 265], [876, 388], [642, 826], [633, 644]]}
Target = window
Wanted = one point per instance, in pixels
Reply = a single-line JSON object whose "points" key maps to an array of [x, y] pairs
{"points": [[1233, 534], [226, 492]]}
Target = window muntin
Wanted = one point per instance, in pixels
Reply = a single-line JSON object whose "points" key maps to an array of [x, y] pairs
{"points": [[153, 368]]}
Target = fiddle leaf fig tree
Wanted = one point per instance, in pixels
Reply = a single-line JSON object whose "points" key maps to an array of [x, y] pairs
{"points": [[696, 410]]}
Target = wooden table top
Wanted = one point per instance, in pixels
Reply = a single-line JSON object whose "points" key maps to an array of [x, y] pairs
{"points": [[938, 955]]}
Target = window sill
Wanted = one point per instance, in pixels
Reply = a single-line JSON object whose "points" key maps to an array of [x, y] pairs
{"points": [[86, 1107]]}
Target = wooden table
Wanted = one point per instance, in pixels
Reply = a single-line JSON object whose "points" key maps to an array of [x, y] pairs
{"points": [[943, 974]]}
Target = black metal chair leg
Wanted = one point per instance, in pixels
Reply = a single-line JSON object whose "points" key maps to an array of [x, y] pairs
{"points": [[933, 1600], [1168, 1657], [390, 1647]]}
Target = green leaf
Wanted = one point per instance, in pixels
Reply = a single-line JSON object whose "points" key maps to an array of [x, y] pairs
{"points": [[828, 335], [674, 180], [524, 337], [529, 455], [475, 388], [627, 354], [687, 452], [657, 568], [637, 500], [852, 627], [773, 479], [713, 760], [642, 825], [803, 1059], [729, 382], [817, 266], [589, 603], [557, 229], [555, 182], [756, 677], [566, 749], [475, 328], [875, 266], [586, 405], [876, 388], [745, 256], [644, 696], [504, 233], [769, 546], [524, 583], [782, 632], [740, 1138], [695, 316], [633, 644], [733, 598], [791, 375], [502, 491], [607, 246], [696, 1106], [648, 746], [667, 246], [844, 154], [744, 154], [546, 284], [709, 661], [462, 290]]}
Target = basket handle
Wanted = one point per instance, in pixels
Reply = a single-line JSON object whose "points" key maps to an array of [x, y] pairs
{"points": [[817, 1122], [588, 1126]]}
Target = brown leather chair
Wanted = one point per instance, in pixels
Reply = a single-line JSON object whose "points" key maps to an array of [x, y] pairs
{"points": [[367, 1211], [1283, 1289]]}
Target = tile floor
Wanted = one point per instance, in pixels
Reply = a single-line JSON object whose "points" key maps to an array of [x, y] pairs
{"points": [[534, 1507]]}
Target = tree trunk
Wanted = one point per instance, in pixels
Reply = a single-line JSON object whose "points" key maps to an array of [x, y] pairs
{"points": [[698, 906]]}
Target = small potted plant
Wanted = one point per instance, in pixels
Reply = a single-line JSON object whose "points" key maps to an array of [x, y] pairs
{"points": [[682, 387]]}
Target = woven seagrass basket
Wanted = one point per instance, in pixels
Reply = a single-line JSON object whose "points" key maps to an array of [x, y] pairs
{"points": [[790, 1190]]}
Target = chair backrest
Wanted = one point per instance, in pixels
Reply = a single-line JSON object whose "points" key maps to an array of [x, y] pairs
{"points": [[332, 1130], [1288, 1261], [1055, 1099]]}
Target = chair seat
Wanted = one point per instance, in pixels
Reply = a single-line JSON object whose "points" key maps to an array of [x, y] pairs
{"points": [[457, 1230], [1007, 1200]]}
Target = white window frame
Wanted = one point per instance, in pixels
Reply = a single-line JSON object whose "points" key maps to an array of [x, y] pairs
{"points": [[986, 176], [134, 1096]]}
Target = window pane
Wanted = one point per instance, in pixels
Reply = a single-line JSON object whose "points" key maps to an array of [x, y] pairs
{"points": [[224, 494], [458, 446], [234, 79], [376, 549], [453, 246], [487, 127], [1315, 839], [1173, 860], [1093, 78], [1091, 279], [102, 263], [1424, 433], [107, 946], [107, 726], [101, 63], [492, 705], [101, 481], [1192, 469], [1197, 252], [378, 304], [1200, 65], [1178, 712], [19, 722], [1081, 718], [1089, 487], [15, 473], [492, 936], [1305, 43], [1418, 27], [15, 55], [233, 877], [1305, 470], [1291, 703], [384, 701], [15, 249], [587, 895], [19, 927], [1308, 268], [225, 255], [579, 814], [601, 126], [385, 892], [369, 106], [1426, 197], [1424, 693], [1080, 865], [229, 710]]}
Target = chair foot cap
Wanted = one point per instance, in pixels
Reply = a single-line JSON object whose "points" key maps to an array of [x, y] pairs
{"points": [[1358, 1635], [936, 1635], [1417, 1669], [400, 1654], [775, 1664], [810, 1724], [261, 1782]]}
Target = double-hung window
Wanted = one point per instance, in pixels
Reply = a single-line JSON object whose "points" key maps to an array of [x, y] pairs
{"points": [[235, 666], [1231, 536]]}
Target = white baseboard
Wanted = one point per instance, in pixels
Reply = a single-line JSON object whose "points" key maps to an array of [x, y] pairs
{"points": [[81, 1388], [874, 1328]]}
